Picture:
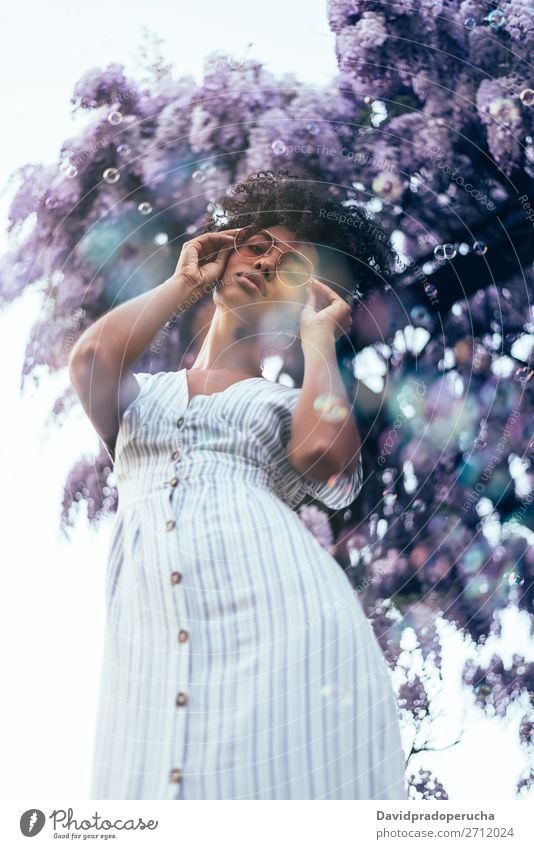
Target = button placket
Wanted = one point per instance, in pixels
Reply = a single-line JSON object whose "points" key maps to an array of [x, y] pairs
{"points": [[175, 456], [176, 585], [181, 700], [181, 697], [172, 481], [176, 775]]}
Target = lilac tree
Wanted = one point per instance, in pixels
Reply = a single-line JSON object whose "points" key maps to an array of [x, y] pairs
{"points": [[449, 88]]}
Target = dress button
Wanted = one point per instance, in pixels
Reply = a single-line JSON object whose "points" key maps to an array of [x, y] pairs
{"points": [[173, 481], [176, 775], [181, 699], [175, 454], [180, 422], [183, 636], [176, 577], [170, 524]]}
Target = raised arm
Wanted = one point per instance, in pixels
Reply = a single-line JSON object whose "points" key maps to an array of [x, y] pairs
{"points": [[323, 445], [100, 361]]}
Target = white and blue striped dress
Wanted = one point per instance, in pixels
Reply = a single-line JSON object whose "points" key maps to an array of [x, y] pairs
{"points": [[238, 662]]}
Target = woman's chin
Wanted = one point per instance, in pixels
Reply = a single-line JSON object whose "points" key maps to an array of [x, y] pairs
{"points": [[233, 293]]}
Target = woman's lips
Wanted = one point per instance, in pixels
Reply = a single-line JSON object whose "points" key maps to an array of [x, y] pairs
{"points": [[250, 282]]}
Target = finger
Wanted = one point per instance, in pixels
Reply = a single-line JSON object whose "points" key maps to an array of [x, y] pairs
{"points": [[189, 252], [221, 234], [218, 259], [211, 255], [321, 287], [210, 240], [311, 300], [223, 256], [226, 230], [314, 287], [213, 246], [328, 290]]}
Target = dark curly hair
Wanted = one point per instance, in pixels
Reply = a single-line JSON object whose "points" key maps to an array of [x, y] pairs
{"points": [[355, 255]]}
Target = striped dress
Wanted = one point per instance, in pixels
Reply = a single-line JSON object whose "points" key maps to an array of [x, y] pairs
{"points": [[238, 662]]}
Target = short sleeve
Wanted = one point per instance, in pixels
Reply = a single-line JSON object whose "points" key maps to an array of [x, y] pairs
{"points": [[340, 491], [132, 414], [143, 378]]}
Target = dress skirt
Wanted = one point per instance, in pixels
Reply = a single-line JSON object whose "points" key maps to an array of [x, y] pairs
{"points": [[238, 662]]}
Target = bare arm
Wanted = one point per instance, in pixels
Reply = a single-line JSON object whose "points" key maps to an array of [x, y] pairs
{"points": [[321, 446], [100, 361]]}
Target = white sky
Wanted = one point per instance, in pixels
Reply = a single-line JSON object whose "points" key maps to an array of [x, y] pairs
{"points": [[52, 599], [46, 47]]}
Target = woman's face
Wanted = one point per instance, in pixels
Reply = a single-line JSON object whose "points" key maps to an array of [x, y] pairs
{"points": [[256, 282]]}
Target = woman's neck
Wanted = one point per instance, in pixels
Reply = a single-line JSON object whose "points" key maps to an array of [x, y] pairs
{"points": [[229, 345]]}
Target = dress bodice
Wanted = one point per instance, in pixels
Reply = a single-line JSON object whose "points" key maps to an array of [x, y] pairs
{"points": [[167, 438]]}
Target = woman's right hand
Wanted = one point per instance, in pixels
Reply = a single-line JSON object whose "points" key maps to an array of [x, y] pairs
{"points": [[202, 261]]}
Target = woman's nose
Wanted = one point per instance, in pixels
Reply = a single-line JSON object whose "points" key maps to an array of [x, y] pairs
{"points": [[265, 264]]}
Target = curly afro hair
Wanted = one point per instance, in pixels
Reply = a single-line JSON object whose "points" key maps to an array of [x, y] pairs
{"points": [[355, 255]]}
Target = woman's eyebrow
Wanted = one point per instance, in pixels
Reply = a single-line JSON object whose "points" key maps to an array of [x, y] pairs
{"points": [[283, 241]]}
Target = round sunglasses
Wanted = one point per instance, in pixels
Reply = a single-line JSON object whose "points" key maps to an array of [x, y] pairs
{"points": [[292, 267]]}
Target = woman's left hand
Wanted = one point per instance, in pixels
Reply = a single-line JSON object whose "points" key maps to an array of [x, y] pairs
{"points": [[324, 312]]}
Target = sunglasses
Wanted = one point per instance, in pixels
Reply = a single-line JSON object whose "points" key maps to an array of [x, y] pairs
{"points": [[292, 267]]}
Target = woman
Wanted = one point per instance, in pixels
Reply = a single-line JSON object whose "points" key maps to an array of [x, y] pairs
{"points": [[238, 662]]}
